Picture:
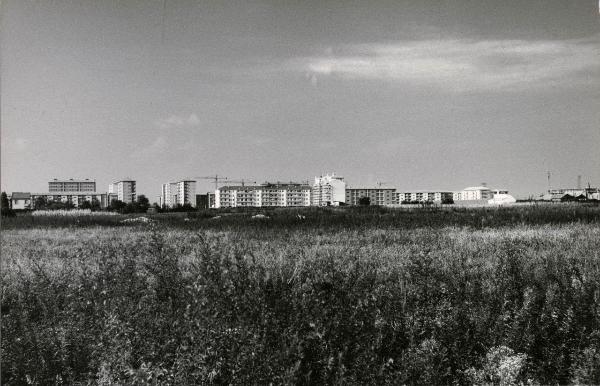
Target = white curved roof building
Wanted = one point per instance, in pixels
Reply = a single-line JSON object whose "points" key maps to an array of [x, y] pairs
{"points": [[483, 194], [474, 193]]}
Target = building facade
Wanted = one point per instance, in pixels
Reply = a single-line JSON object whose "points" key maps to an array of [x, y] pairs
{"points": [[20, 200], [328, 190], [178, 193], [474, 193], [560, 194], [266, 195], [377, 196], [74, 198], [125, 190], [71, 185], [423, 196], [501, 197], [211, 199]]}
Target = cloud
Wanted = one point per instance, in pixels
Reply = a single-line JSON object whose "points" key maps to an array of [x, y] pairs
{"points": [[461, 64], [176, 121]]}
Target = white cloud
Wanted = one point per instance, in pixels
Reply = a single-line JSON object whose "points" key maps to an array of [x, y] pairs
{"points": [[461, 65], [176, 121]]}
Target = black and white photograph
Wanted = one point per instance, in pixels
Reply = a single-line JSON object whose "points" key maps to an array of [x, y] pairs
{"points": [[300, 192]]}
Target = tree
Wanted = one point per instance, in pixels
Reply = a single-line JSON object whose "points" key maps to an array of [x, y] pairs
{"points": [[95, 205], [4, 204], [143, 203], [117, 206], [5, 209], [85, 205], [40, 203], [364, 201], [447, 200]]}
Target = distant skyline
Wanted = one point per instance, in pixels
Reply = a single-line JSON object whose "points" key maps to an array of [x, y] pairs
{"points": [[411, 93]]}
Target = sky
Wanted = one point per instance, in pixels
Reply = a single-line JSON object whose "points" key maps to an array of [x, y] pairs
{"points": [[409, 94]]}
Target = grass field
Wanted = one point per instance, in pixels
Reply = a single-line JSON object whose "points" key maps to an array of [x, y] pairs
{"points": [[353, 296]]}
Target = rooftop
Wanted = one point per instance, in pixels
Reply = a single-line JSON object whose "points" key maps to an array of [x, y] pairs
{"points": [[77, 193], [71, 180], [20, 195], [266, 187], [477, 188], [352, 188]]}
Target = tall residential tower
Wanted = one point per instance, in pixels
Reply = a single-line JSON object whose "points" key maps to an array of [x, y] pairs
{"points": [[328, 190], [125, 190]]}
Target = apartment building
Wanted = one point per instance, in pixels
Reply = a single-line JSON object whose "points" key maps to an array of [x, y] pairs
{"points": [[178, 193], [266, 195], [328, 190], [125, 190], [422, 196], [71, 185], [377, 196]]}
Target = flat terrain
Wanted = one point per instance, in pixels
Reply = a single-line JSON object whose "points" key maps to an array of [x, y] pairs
{"points": [[354, 296]]}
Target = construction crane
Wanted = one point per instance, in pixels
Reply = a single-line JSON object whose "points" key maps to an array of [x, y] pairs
{"points": [[220, 179], [216, 179], [379, 183]]}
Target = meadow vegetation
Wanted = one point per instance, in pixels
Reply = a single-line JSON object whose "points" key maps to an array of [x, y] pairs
{"points": [[353, 296]]}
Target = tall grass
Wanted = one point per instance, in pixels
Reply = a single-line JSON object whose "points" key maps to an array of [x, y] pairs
{"points": [[333, 218], [257, 303]]}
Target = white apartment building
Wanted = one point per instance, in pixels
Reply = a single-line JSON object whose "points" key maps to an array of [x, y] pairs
{"points": [[483, 195], [328, 190], [266, 195], [71, 185], [125, 190], [424, 196], [178, 193]]}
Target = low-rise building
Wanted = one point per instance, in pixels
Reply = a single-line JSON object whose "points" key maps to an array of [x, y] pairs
{"points": [[74, 198], [20, 200], [566, 194], [501, 197]]}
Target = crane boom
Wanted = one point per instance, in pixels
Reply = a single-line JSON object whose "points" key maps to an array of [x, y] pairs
{"points": [[216, 179]]}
